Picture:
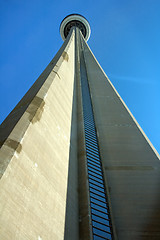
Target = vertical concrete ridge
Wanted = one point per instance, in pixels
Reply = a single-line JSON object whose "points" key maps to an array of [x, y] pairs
{"points": [[85, 228], [72, 203], [35, 155], [83, 42]]}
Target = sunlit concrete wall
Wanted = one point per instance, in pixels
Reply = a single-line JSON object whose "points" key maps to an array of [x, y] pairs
{"points": [[35, 155], [130, 163]]}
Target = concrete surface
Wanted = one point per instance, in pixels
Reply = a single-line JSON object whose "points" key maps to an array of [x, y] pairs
{"points": [[35, 155], [130, 163]]}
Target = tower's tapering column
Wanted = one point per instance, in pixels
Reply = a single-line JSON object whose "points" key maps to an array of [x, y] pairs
{"points": [[74, 163], [94, 208], [34, 155], [122, 166]]}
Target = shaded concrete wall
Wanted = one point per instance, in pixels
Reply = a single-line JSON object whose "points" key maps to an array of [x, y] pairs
{"points": [[35, 155], [72, 203], [78, 221], [130, 163], [85, 226]]}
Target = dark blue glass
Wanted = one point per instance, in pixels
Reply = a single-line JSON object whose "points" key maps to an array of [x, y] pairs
{"points": [[104, 234], [101, 226], [94, 174], [96, 183], [93, 200]]}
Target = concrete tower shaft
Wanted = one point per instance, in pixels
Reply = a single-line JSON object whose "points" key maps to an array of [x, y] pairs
{"points": [[35, 152], [74, 163]]}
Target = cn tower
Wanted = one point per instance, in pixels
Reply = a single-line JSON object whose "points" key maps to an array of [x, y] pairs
{"points": [[74, 162]]}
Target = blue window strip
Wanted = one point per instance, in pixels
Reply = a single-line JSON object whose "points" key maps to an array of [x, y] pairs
{"points": [[101, 223]]}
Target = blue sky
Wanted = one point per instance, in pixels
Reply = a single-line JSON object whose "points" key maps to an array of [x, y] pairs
{"points": [[125, 39]]}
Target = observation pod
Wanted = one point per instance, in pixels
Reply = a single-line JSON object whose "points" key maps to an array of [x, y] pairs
{"points": [[75, 20]]}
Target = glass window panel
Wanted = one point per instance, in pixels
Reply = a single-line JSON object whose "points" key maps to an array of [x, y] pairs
{"points": [[91, 143], [91, 170], [96, 191], [93, 148], [95, 161], [93, 154], [90, 136], [89, 123], [91, 132], [101, 220], [90, 139], [94, 139], [95, 171], [96, 187], [103, 204], [97, 183], [93, 157], [88, 117], [89, 129], [95, 175], [101, 226], [105, 210], [100, 214], [92, 151], [101, 198], [101, 233], [87, 107], [95, 167], [98, 238], [95, 178]]}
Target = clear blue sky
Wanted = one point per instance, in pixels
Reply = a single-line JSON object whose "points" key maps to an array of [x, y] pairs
{"points": [[125, 39]]}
